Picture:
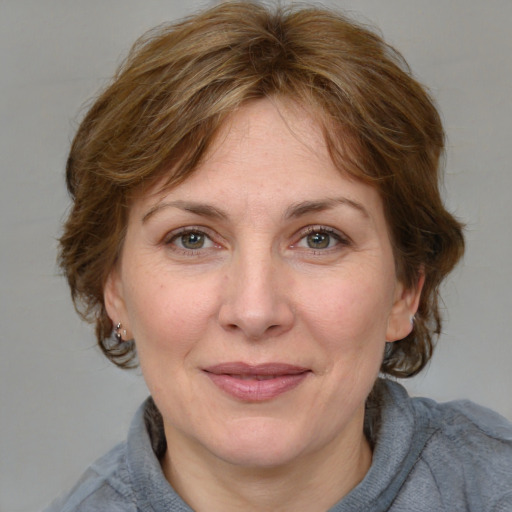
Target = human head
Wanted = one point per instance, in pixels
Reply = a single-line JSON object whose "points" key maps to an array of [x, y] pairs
{"points": [[179, 84]]}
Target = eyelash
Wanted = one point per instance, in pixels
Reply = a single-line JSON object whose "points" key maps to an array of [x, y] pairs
{"points": [[190, 230], [340, 238], [170, 240]]}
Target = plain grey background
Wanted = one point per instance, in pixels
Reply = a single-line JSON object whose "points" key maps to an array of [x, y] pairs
{"points": [[62, 404]]}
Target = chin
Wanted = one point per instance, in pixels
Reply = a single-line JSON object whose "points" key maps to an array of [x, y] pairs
{"points": [[261, 444]]}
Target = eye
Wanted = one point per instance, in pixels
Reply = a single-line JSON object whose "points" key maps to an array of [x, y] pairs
{"points": [[320, 238], [190, 240]]}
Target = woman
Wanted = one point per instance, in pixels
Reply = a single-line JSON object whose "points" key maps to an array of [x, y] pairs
{"points": [[256, 212]]}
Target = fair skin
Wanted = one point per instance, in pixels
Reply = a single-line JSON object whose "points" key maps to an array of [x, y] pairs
{"points": [[260, 293]]}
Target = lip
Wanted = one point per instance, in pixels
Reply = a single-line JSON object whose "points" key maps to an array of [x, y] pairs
{"points": [[256, 383]]}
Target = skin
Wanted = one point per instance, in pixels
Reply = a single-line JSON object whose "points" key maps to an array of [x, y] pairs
{"points": [[266, 254]]}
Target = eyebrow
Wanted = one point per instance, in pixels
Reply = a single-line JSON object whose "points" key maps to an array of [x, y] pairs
{"points": [[305, 207], [204, 210], [294, 211]]}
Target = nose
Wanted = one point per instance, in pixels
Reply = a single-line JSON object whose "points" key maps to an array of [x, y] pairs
{"points": [[256, 298]]}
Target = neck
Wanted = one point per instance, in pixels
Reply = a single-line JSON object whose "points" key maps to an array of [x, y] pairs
{"points": [[312, 482]]}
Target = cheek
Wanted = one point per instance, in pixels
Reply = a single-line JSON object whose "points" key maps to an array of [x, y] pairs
{"points": [[168, 315], [348, 324], [170, 324], [351, 311]]}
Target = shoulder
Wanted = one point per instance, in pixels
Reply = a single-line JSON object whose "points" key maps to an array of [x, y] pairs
{"points": [[470, 428], [106, 481], [450, 457], [469, 448], [454, 457], [128, 478]]}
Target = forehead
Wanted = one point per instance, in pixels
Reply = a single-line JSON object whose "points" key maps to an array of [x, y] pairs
{"points": [[274, 120], [266, 150]]}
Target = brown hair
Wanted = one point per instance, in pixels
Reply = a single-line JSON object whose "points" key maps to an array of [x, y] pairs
{"points": [[178, 85]]}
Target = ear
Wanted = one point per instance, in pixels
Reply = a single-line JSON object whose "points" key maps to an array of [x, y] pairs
{"points": [[400, 321], [114, 301]]}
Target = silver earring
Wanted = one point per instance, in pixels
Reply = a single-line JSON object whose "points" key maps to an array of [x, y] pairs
{"points": [[118, 335]]}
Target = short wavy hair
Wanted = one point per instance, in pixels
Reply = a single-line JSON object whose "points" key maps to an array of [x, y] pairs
{"points": [[179, 84]]}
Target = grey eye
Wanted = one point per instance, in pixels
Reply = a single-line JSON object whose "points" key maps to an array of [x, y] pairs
{"points": [[318, 240], [192, 240]]}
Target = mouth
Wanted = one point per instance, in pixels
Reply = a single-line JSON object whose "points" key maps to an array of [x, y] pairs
{"points": [[256, 383]]}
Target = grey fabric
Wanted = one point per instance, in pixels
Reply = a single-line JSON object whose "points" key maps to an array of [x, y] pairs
{"points": [[427, 457]]}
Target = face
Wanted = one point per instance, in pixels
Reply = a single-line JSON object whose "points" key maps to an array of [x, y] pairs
{"points": [[260, 293]]}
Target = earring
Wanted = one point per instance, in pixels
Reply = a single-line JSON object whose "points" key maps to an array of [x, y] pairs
{"points": [[118, 335]]}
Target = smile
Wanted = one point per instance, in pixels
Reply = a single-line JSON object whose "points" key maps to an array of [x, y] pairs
{"points": [[256, 383]]}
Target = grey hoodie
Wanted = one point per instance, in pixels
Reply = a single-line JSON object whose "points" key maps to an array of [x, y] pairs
{"points": [[427, 457]]}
